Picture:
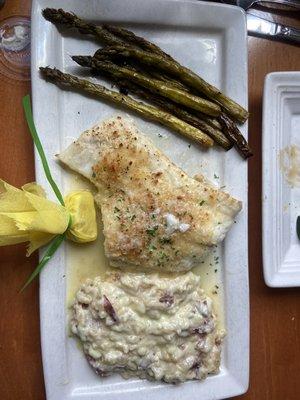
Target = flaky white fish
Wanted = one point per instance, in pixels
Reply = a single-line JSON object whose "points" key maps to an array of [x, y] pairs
{"points": [[154, 215]]}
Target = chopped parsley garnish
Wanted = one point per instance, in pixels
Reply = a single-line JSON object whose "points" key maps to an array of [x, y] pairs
{"points": [[152, 231], [163, 256], [116, 210], [201, 202], [151, 247], [216, 176], [165, 240]]}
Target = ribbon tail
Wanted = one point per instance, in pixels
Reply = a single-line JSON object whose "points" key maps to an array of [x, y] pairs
{"points": [[57, 241]]}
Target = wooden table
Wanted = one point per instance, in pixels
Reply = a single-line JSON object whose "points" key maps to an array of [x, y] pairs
{"points": [[275, 313]]}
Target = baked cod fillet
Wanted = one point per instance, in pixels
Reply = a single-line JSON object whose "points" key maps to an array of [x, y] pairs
{"points": [[154, 215]]}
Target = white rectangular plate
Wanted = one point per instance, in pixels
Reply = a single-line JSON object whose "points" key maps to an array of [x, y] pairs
{"points": [[281, 198], [211, 40]]}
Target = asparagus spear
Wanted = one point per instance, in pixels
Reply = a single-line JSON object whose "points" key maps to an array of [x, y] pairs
{"points": [[87, 28], [148, 72], [147, 111], [154, 85], [184, 74], [213, 122], [172, 108], [127, 85], [104, 34], [165, 78], [233, 134], [130, 38]]}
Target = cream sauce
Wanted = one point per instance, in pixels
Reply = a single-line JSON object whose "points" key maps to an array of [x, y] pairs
{"points": [[88, 261], [289, 161]]}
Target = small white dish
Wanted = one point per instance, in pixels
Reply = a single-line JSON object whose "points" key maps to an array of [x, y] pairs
{"points": [[281, 179]]}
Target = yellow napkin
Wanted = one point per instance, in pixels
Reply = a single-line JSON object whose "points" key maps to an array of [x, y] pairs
{"points": [[26, 215]]}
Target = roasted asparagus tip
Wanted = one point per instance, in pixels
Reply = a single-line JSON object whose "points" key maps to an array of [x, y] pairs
{"points": [[84, 61], [57, 16], [233, 133], [51, 74], [71, 20], [110, 51]]}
